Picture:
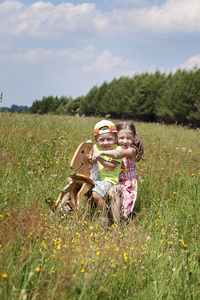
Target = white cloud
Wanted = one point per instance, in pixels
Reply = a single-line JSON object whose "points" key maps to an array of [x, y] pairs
{"points": [[45, 20], [192, 62], [106, 63], [48, 56]]}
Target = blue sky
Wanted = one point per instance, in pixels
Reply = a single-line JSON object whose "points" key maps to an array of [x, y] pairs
{"points": [[64, 48]]}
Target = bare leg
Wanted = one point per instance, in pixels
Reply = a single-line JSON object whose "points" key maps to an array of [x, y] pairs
{"points": [[114, 194], [101, 204], [90, 204]]}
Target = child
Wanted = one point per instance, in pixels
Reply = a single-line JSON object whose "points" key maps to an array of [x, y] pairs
{"points": [[132, 151], [108, 168]]}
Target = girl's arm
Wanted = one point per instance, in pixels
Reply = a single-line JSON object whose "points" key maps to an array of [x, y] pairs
{"points": [[130, 152]]}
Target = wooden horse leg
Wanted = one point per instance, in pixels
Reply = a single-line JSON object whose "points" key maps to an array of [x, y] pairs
{"points": [[84, 189], [53, 205]]}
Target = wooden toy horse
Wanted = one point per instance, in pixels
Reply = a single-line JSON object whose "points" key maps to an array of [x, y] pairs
{"points": [[80, 181]]}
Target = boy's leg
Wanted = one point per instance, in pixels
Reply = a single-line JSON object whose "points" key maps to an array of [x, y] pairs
{"points": [[114, 194], [101, 204]]}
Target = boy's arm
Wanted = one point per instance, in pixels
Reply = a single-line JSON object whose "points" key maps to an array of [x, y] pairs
{"points": [[110, 165]]}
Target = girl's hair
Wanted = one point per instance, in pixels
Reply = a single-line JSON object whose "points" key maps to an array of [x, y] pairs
{"points": [[138, 142]]}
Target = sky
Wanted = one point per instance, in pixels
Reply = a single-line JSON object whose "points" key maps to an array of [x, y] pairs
{"points": [[64, 48]]}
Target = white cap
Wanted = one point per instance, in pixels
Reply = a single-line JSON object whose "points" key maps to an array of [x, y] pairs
{"points": [[104, 123]]}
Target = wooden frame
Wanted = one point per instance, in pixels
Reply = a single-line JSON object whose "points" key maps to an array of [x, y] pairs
{"points": [[80, 179]]}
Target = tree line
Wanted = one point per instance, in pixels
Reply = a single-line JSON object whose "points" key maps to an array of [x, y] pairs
{"points": [[149, 97], [15, 109]]}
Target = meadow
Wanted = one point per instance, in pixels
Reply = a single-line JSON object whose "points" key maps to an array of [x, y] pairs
{"points": [[155, 255]]}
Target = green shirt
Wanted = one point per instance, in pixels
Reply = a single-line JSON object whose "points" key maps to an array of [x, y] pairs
{"points": [[106, 174]]}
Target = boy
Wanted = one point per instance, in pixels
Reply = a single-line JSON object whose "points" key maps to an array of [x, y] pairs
{"points": [[108, 168]]}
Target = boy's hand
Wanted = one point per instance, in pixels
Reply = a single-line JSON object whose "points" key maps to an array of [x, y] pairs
{"points": [[93, 157]]}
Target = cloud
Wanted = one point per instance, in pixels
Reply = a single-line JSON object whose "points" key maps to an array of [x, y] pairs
{"points": [[43, 19], [105, 63], [42, 56], [53, 22], [191, 63]]}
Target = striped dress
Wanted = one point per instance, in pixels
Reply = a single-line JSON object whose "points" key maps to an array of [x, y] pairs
{"points": [[128, 184]]}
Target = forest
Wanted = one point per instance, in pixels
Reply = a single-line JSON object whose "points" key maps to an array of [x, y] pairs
{"points": [[149, 97]]}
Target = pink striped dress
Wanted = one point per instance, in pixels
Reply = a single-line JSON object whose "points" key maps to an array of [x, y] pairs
{"points": [[128, 184]]}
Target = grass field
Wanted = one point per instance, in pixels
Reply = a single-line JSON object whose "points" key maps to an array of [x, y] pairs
{"points": [[154, 256]]}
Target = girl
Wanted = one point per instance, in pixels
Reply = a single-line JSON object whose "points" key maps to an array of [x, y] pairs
{"points": [[131, 152]]}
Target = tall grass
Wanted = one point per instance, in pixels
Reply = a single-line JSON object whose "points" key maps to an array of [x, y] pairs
{"points": [[155, 255]]}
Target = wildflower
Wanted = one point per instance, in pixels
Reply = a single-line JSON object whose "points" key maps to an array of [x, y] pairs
{"points": [[185, 246], [8, 214], [1, 216], [37, 269], [4, 275], [98, 252], [82, 271], [82, 263]]}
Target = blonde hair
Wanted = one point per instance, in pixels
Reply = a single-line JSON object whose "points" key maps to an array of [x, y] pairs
{"points": [[138, 142]]}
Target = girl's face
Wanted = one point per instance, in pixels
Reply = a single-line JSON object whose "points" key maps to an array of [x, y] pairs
{"points": [[125, 138], [106, 141]]}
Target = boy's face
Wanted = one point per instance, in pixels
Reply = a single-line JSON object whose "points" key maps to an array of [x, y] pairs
{"points": [[106, 141]]}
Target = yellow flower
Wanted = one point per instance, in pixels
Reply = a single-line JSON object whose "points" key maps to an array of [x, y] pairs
{"points": [[82, 263], [8, 214], [37, 269], [82, 271], [4, 275]]}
